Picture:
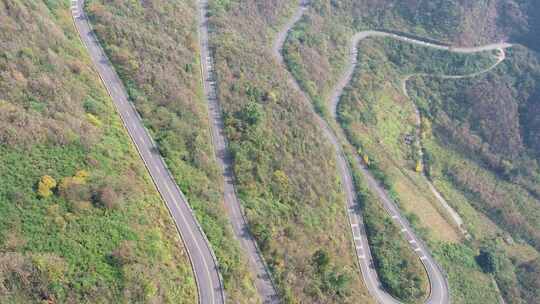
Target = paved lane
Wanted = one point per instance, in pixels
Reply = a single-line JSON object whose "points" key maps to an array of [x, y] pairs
{"points": [[203, 261], [439, 290], [263, 281]]}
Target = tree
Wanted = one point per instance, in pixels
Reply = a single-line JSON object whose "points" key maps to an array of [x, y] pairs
{"points": [[487, 261], [107, 197], [45, 186], [337, 283], [252, 113], [320, 260], [262, 235], [366, 159], [419, 168]]}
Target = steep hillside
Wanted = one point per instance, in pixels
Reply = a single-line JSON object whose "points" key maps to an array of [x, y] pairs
{"points": [[482, 146], [154, 47], [480, 136], [286, 171], [81, 221], [378, 121]]}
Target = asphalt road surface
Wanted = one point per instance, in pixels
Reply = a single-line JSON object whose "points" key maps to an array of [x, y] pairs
{"points": [[263, 282], [439, 291], [203, 261]]}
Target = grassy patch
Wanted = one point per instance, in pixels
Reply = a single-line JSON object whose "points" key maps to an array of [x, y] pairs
{"points": [[102, 233]]}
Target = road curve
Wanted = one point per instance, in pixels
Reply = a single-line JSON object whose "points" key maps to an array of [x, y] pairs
{"points": [[439, 291], [501, 56], [347, 75], [203, 262], [263, 280]]}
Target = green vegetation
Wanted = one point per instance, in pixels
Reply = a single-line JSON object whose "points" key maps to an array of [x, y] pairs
{"points": [[483, 147], [361, 113], [467, 282], [81, 221], [485, 170], [399, 269], [154, 47], [486, 260], [286, 171]]}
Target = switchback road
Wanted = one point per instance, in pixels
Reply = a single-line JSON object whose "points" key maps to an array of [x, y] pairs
{"points": [[439, 291], [203, 261], [501, 56]]}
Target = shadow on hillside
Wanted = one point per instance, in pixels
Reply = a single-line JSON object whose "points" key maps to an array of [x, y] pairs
{"points": [[531, 39]]}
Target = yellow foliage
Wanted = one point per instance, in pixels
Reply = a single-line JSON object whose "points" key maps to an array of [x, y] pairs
{"points": [[78, 179], [93, 119], [45, 185], [272, 96], [419, 166], [82, 176], [48, 181], [281, 178], [366, 159], [43, 191]]}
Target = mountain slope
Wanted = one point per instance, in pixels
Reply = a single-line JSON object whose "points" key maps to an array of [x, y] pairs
{"points": [[285, 169], [154, 47], [102, 234], [484, 152]]}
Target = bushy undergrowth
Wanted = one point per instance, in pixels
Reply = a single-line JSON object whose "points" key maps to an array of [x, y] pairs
{"points": [[485, 125], [378, 118], [399, 269], [286, 171], [154, 47], [81, 222]]}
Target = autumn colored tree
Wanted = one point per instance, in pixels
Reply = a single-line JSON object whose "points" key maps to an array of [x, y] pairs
{"points": [[45, 186]]}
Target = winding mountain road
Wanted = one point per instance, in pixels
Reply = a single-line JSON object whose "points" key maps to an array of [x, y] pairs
{"points": [[263, 281], [438, 285], [501, 56], [439, 290], [203, 262]]}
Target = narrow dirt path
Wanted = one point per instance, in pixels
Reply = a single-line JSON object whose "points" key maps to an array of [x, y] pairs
{"points": [[458, 221], [439, 291]]}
